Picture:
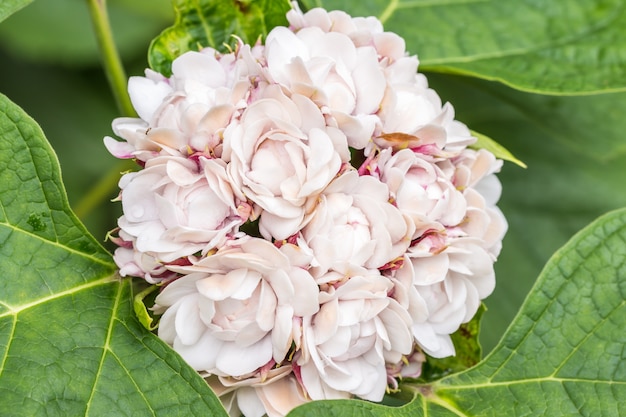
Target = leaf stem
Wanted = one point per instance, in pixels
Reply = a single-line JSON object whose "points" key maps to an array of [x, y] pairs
{"points": [[116, 76], [110, 56], [102, 189]]}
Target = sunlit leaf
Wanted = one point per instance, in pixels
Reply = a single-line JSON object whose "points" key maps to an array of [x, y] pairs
{"points": [[485, 142], [574, 149], [69, 342], [212, 23], [560, 47], [8, 7]]}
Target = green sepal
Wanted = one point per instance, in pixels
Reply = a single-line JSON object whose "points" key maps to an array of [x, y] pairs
{"points": [[485, 142]]}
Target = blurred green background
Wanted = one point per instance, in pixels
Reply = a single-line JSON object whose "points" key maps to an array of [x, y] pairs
{"points": [[51, 68], [573, 146]]}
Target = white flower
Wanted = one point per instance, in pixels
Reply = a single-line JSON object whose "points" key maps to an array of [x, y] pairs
{"points": [[187, 112], [363, 31], [328, 68], [311, 211], [234, 311], [448, 270], [413, 116], [355, 225], [346, 344], [275, 393], [420, 190], [138, 264], [281, 156], [474, 173], [175, 208]]}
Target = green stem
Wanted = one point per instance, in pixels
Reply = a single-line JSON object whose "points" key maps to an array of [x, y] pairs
{"points": [[116, 77], [110, 57], [103, 189]]}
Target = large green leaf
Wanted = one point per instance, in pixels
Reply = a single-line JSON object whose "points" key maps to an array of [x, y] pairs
{"points": [[574, 148], [202, 23], [75, 109], [563, 354], [8, 7], [69, 342], [560, 47]]}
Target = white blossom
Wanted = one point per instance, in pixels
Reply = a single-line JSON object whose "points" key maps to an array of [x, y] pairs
{"points": [[281, 156], [176, 207], [448, 269], [346, 344], [187, 112], [311, 211], [355, 225], [233, 312], [327, 67], [275, 393]]}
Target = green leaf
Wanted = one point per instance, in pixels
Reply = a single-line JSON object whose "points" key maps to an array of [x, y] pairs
{"points": [[141, 311], [575, 150], [8, 7], [557, 47], [202, 23], [563, 355], [485, 142], [69, 342]]}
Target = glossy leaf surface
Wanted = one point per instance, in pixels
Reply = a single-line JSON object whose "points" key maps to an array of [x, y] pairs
{"points": [[556, 47], [204, 23], [69, 341]]}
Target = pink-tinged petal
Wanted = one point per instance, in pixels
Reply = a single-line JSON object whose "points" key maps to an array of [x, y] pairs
{"points": [[326, 322], [390, 45], [267, 307], [178, 289], [339, 343], [369, 81], [436, 345], [282, 332], [120, 150], [281, 396], [316, 388], [305, 300]]}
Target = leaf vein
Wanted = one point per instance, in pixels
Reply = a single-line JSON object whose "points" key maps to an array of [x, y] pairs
{"points": [[549, 304], [529, 381], [432, 64], [106, 348], [205, 24], [13, 310], [57, 244], [127, 372], [9, 341], [584, 339]]}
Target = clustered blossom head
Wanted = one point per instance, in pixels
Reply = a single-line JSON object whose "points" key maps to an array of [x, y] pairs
{"points": [[311, 211]]}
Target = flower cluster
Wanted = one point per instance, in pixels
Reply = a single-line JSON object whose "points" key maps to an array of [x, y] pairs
{"points": [[311, 211]]}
